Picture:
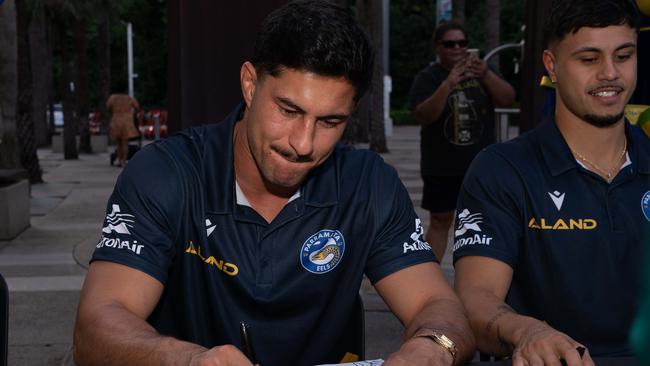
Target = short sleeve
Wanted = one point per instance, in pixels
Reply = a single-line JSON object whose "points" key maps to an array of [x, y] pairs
{"points": [[489, 213], [400, 241], [142, 215], [424, 85]]}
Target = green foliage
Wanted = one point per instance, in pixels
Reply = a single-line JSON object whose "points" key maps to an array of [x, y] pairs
{"points": [[403, 117], [411, 24], [149, 21]]}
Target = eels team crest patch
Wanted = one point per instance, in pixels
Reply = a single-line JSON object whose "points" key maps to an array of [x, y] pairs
{"points": [[645, 205], [323, 251]]}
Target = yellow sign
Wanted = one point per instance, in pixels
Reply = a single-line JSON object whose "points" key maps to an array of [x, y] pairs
{"points": [[633, 111]]}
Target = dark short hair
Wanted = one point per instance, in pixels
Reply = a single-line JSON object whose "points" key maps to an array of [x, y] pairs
{"points": [[445, 27], [568, 16], [315, 36]]}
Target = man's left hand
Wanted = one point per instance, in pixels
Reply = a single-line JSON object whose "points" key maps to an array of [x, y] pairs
{"points": [[420, 351], [478, 68]]}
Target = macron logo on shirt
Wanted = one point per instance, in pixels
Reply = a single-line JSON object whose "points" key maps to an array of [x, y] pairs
{"points": [[118, 222], [209, 228], [558, 199]]}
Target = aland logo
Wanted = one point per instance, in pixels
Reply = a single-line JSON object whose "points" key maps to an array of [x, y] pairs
{"points": [[323, 251]]}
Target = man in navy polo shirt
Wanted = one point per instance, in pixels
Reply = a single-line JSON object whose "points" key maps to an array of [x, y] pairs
{"points": [[262, 219], [548, 242]]}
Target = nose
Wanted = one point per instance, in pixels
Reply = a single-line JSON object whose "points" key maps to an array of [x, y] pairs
{"points": [[302, 136], [608, 69]]}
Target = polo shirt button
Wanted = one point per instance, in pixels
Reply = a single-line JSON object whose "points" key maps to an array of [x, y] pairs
{"points": [[265, 263]]}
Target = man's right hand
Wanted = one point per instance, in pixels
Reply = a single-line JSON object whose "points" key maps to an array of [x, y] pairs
{"points": [[227, 355], [543, 345]]}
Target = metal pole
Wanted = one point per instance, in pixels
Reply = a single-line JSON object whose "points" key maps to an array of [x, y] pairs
{"points": [[129, 48], [385, 35], [388, 83]]}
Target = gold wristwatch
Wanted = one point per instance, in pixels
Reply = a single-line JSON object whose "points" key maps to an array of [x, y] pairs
{"points": [[439, 338]]}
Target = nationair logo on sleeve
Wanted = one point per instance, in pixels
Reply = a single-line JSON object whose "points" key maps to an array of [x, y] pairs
{"points": [[116, 232], [118, 222], [323, 251], [467, 230], [416, 242], [645, 205]]}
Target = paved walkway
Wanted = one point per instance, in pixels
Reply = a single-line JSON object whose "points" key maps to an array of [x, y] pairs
{"points": [[45, 265]]}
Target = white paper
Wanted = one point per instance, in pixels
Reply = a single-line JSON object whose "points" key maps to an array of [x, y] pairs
{"points": [[377, 362]]}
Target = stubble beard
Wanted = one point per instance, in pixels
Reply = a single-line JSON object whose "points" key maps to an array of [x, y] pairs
{"points": [[603, 121]]}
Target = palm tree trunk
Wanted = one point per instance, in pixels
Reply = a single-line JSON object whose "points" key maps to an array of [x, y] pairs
{"points": [[104, 62], [38, 49], [377, 130], [24, 121], [9, 155], [83, 107], [371, 108]]}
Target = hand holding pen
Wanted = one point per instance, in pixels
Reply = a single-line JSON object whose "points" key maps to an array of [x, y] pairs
{"points": [[226, 355], [246, 341]]}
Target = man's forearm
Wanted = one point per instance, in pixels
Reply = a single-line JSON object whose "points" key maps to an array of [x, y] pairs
{"points": [[502, 93], [447, 316], [498, 328], [114, 336]]}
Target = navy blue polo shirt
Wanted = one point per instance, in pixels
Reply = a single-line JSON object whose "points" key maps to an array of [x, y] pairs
{"points": [[174, 215], [573, 240]]}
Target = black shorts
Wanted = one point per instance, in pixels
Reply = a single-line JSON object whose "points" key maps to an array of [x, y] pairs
{"points": [[440, 193]]}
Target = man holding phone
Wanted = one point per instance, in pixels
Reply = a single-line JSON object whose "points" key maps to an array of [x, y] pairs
{"points": [[453, 99]]}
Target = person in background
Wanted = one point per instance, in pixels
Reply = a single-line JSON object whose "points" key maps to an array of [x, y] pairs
{"points": [[453, 99], [549, 246], [264, 219], [121, 107]]}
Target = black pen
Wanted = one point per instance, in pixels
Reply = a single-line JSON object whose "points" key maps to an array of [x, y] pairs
{"points": [[246, 342]]}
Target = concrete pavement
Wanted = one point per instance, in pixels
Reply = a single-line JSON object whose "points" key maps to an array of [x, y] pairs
{"points": [[45, 265]]}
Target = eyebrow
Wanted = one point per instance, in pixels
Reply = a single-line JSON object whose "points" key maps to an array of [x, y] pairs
{"points": [[288, 103], [594, 49]]}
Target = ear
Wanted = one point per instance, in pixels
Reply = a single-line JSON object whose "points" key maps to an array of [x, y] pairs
{"points": [[548, 58], [248, 80]]}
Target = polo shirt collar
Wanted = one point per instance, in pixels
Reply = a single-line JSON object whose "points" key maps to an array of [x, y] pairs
{"points": [[554, 149], [321, 188], [220, 163], [637, 149], [558, 156]]}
